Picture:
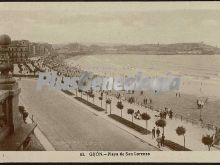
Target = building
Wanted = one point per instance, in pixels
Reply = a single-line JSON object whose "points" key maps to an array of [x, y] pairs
{"points": [[39, 49], [14, 132], [19, 51]]}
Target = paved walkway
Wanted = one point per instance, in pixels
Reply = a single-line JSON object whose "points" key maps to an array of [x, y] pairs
{"points": [[193, 134], [69, 125]]}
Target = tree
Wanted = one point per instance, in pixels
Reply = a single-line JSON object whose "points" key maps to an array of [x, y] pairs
{"points": [[109, 101], [161, 123], [101, 98], [120, 106], [207, 140], [131, 112], [131, 100], [181, 131], [146, 117]]}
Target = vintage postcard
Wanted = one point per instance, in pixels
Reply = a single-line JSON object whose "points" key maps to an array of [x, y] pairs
{"points": [[110, 81]]}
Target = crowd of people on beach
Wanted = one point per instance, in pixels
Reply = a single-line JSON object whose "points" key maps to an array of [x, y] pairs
{"points": [[25, 68], [55, 63]]}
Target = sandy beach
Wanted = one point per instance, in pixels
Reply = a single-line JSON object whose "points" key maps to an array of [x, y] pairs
{"points": [[199, 79]]}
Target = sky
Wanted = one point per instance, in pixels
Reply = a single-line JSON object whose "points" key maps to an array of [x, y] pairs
{"points": [[112, 22]]}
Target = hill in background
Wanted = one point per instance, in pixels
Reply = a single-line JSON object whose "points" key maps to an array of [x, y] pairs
{"points": [[200, 48]]}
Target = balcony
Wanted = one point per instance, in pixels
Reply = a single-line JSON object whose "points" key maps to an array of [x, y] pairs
{"points": [[13, 137]]}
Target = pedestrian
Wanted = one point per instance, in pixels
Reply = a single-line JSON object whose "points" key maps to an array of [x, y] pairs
{"points": [[171, 114], [179, 94], [176, 94], [25, 115], [158, 141], [162, 140], [161, 115], [158, 132], [165, 114], [153, 133]]}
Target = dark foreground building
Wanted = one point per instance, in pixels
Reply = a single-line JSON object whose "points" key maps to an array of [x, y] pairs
{"points": [[14, 131]]}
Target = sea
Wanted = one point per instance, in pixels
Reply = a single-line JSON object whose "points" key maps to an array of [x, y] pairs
{"points": [[200, 73]]}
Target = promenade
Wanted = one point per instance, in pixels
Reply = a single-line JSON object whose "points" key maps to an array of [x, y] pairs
{"points": [[193, 134], [68, 125]]}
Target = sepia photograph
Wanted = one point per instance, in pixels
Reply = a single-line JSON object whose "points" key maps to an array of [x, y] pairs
{"points": [[110, 79]]}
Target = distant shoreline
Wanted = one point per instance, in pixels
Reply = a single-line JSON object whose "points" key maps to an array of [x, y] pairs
{"points": [[198, 48], [68, 56]]}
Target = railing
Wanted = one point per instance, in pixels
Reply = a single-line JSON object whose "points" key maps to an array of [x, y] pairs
{"points": [[209, 126]]}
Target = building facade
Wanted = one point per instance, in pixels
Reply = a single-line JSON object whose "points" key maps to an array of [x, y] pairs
{"points": [[40, 49], [20, 50]]}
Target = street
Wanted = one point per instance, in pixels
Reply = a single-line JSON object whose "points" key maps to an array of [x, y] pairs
{"points": [[72, 127]]}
